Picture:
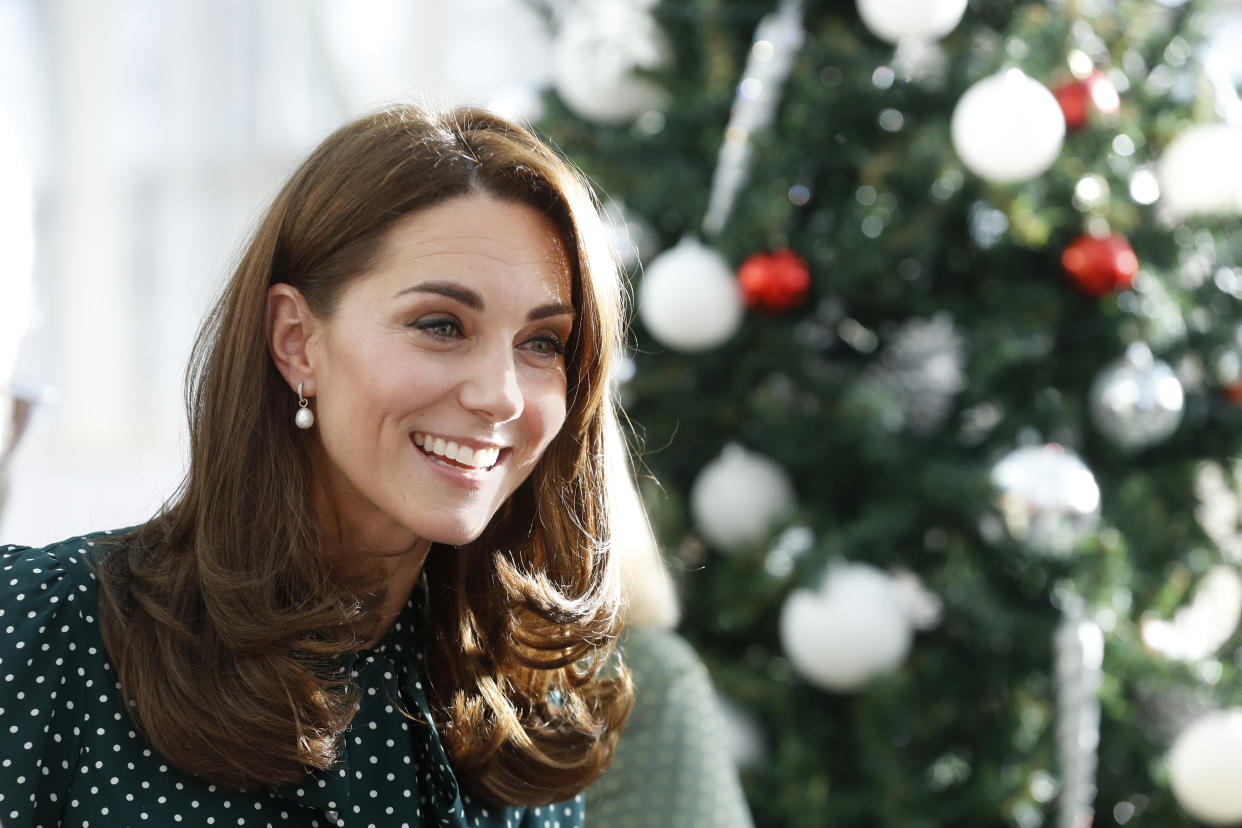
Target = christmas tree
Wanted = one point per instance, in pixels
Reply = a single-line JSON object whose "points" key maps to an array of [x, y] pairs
{"points": [[936, 371]]}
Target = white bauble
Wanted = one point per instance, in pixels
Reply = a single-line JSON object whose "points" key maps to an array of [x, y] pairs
{"points": [[852, 629], [1201, 171], [597, 53], [689, 298], [1205, 624], [897, 20], [1047, 497], [738, 497], [1008, 127], [1205, 768]]}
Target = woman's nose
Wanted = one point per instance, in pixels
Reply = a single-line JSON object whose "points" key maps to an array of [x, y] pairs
{"points": [[492, 390]]}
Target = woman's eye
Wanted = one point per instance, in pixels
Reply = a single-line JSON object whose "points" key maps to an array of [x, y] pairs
{"points": [[439, 327], [547, 345]]}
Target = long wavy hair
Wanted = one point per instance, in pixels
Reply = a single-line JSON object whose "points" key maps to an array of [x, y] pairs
{"points": [[226, 614]]}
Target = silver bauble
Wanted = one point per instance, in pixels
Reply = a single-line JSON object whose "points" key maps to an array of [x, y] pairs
{"points": [[923, 369], [1047, 497], [1137, 401]]}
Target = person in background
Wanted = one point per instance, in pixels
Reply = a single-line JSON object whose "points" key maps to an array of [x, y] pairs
{"points": [[14, 416], [384, 593], [672, 767], [17, 394]]}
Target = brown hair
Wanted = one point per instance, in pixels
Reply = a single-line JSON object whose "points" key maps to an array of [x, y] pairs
{"points": [[225, 615]]}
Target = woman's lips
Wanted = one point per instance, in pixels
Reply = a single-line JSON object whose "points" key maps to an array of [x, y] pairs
{"points": [[454, 454]]}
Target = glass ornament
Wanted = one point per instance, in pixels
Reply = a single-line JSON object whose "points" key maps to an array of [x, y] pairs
{"points": [[1047, 497], [1137, 401]]}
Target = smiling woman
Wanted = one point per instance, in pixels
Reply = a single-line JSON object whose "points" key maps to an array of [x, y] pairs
{"points": [[394, 607], [456, 333]]}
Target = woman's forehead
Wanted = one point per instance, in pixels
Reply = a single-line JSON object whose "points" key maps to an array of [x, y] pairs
{"points": [[477, 237]]}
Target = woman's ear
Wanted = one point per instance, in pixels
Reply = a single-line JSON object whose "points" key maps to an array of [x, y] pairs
{"points": [[290, 326]]}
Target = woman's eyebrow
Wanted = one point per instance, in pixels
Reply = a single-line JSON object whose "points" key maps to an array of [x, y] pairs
{"points": [[464, 295], [474, 301], [550, 309]]}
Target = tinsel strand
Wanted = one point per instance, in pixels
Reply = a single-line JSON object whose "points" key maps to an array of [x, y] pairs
{"points": [[753, 107]]}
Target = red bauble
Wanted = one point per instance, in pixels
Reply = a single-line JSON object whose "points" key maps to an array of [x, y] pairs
{"points": [[1100, 266], [774, 281], [1079, 97]]}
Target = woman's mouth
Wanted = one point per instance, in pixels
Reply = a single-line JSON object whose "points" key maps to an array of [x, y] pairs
{"points": [[453, 455]]}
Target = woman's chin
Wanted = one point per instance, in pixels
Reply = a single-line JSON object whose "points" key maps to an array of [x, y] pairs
{"points": [[455, 535]]}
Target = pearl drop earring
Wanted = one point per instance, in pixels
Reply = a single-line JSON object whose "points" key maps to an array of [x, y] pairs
{"points": [[305, 418]]}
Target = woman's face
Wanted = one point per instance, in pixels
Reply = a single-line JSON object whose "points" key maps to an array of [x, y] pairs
{"points": [[440, 379]]}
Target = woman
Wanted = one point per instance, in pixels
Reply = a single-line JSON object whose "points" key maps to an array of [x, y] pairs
{"points": [[384, 593]]}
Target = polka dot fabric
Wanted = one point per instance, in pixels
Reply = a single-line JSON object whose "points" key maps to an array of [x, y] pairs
{"points": [[671, 768], [69, 754]]}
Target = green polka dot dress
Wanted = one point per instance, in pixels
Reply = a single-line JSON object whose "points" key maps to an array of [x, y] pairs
{"points": [[69, 754]]}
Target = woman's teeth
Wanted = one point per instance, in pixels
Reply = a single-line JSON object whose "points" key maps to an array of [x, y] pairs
{"points": [[462, 455]]}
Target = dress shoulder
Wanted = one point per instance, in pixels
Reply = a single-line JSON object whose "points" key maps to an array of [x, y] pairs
{"points": [[48, 608], [41, 586]]}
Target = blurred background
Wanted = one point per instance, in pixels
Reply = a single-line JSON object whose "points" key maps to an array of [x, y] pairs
{"points": [[936, 366]]}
